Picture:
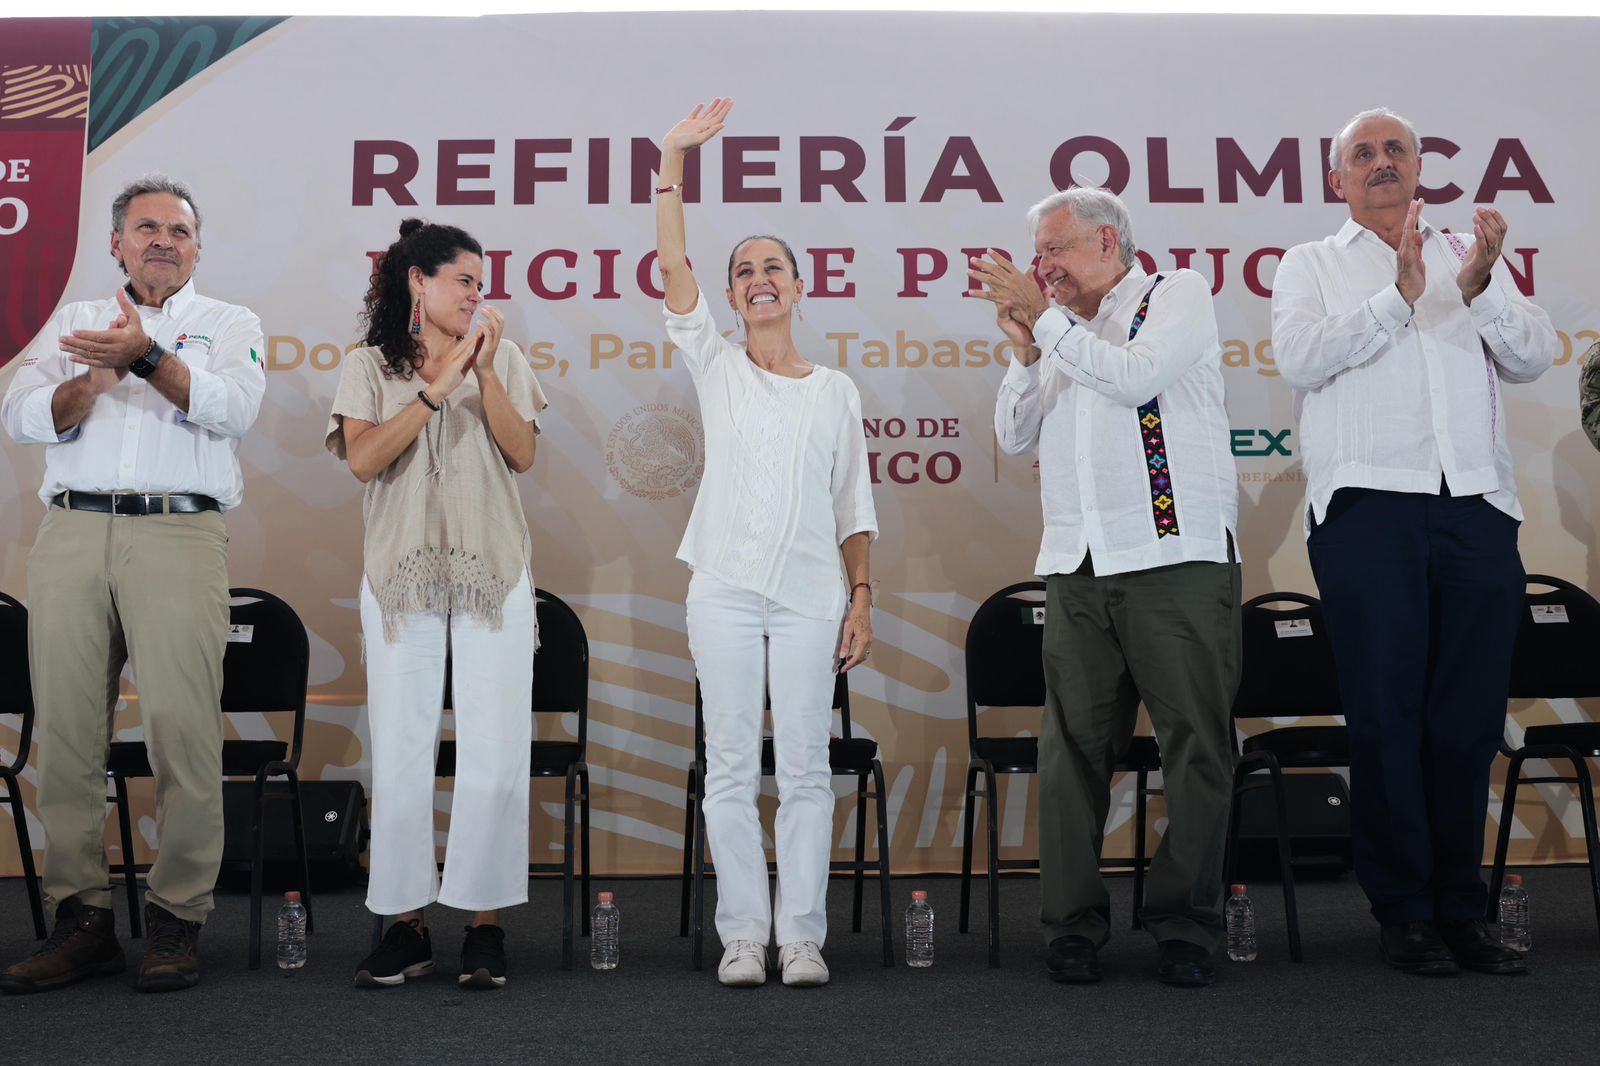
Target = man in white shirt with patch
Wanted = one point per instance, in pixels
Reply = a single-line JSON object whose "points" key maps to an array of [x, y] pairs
{"points": [[139, 401], [1119, 386], [1399, 340]]}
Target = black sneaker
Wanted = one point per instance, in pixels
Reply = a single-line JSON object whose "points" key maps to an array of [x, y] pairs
{"points": [[483, 957], [406, 951]]}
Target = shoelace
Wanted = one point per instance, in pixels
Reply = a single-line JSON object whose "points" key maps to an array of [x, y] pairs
{"points": [[63, 933], [167, 939], [806, 950], [748, 949]]}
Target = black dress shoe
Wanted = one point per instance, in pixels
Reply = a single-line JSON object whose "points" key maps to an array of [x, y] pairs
{"points": [[1476, 945], [1416, 947], [1072, 961], [1185, 965]]}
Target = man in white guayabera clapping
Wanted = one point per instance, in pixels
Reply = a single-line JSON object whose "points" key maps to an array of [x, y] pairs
{"points": [[1398, 339], [1119, 386]]}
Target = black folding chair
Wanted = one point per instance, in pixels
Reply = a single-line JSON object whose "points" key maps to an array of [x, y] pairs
{"points": [[1288, 672], [1005, 642], [264, 671], [16, 698], [848, 756], [560, 687], [1556, 642]]}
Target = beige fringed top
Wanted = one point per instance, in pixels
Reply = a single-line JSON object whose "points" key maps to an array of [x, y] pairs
{"points": [[444, 524]]}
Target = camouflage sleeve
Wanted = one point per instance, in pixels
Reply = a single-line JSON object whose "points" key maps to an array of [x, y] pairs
{"points": [[1589, 393]]}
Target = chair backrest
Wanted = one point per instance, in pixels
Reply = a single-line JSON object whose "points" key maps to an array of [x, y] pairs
{"points": [[267, 664], [841, 703], [1558, 633], [1288, 669], [16, 684], [1005, 642], [561, 665]]}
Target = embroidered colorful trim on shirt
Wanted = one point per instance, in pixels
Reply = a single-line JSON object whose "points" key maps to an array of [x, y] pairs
{"points": [[1162, 505]]}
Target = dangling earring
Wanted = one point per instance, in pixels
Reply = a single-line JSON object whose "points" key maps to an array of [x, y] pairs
{"points": [[801, 315], [416, 316]]}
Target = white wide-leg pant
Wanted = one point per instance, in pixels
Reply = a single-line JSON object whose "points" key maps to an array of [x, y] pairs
{"points": [[486, 854], [743, 642]]}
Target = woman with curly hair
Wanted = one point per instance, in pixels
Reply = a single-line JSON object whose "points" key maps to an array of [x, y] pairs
{"points": [[780, 598], [435, 417]]}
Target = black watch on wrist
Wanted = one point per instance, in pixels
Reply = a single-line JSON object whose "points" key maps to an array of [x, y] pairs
{"points": [[145, 365]]}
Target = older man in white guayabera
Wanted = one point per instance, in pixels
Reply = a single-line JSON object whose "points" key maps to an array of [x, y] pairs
{"points": [[1119, 387], [1398, 339], [139, 401]]}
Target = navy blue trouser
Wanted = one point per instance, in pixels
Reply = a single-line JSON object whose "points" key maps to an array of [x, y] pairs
{"points": [[1422, 597]]}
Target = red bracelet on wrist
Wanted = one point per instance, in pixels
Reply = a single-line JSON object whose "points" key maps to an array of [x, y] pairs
{"points": [[862, 585]]}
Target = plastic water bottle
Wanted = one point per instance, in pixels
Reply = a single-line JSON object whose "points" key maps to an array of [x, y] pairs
{"points": [[919, 931], [291, 932], [605, 928], [1515, 932], [1240, 915]]}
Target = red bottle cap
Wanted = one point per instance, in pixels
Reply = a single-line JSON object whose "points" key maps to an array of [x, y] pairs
{"points": [[919, 896], [605, 897], [1238, 890], [291, 897], [1513, 879]]}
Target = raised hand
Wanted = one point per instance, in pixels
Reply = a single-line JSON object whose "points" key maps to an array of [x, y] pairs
{"points": [[1489, 229], [702, 124], [1410, 276], [113, 348]]}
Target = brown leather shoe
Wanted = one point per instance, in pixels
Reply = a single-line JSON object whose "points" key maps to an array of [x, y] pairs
{"points": [[171, 954], [84, 944]]}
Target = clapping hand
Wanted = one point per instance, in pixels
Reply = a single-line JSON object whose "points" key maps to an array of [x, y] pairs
{"points": [[702, 124], [110, 349], [1015, 294], [491, 329], [1489, 227], [1410, 276]]}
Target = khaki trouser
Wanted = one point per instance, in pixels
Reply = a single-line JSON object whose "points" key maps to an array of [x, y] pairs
{"points": [[103, 589], [1168, 636]]}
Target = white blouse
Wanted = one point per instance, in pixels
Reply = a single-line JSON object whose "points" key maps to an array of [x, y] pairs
{"points": [[786, 478]]}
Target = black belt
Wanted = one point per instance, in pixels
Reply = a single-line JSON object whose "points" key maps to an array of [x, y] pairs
{"points": [[135, 503]]}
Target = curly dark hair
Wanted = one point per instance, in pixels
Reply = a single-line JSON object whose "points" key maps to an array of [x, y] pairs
{"points": [[386, 314]]}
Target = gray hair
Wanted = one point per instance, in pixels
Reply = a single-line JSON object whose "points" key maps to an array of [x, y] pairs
{"points": [[1336, 148], [148, 184], [1093, 207]]}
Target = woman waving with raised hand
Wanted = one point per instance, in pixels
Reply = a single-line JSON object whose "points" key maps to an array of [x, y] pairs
{"points": [[781, 597]]}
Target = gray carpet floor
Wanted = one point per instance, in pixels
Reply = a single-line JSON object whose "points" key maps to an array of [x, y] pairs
{"points": [[1340, 1006]]}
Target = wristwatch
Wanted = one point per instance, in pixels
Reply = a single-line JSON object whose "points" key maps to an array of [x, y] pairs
{"points": [[145, 365]]}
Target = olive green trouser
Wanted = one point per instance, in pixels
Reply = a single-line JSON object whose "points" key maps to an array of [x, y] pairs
{"points": [[1170, 637], [103, 589]]}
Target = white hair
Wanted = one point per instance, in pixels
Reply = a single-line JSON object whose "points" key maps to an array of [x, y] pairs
{"points": [[1093, 207], [1336, 148]]}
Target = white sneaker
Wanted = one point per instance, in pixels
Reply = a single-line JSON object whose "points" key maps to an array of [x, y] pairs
{"points": [[744, 965], [801, 964]]}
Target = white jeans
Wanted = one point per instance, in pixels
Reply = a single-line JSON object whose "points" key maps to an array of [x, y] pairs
{"points": [[486, 855], [743, 642]]}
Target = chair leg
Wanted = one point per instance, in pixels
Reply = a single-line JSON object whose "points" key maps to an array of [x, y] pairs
{"points": [[991, 809], [583, 816], [861, 850], [967, 812], [1230, 852], [1502, 842], [884, 881], [129, 875], [567, 869], [377, 931], [258, 862], [688, 855], [1592, 845], [298, 814], [1140, 813], [1285, 859], [25, 850], [698, 909]]}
